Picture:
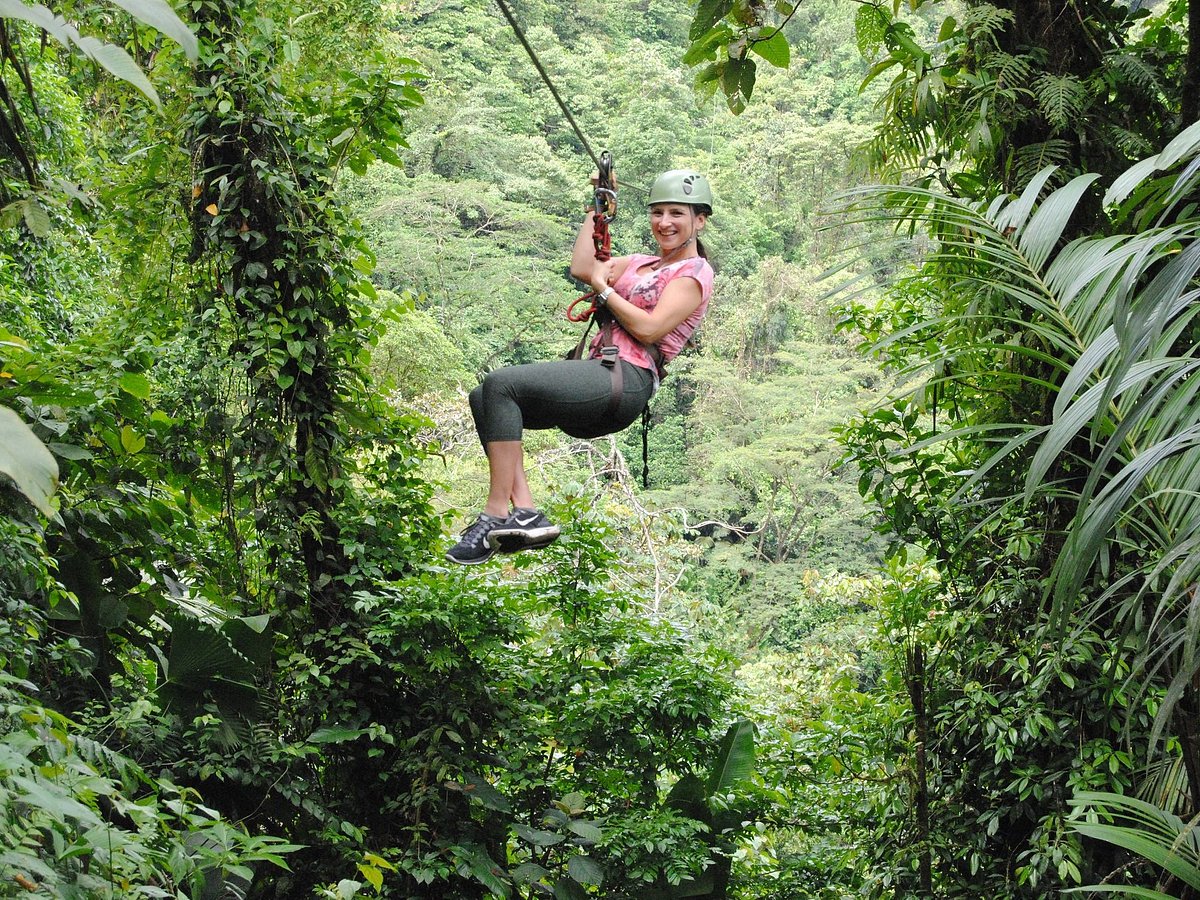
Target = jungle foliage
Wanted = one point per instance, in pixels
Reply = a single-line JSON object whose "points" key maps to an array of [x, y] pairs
{"points": [[245, 284]]}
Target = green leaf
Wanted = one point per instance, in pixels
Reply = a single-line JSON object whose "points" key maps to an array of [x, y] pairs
{"points": [[11, 215], [48, 797], [37, 220], [585, 870], [252, 638], [373, 875], [708, 12], [481, 791], [687, 790], [69, 451], [731, 76], [160, 16], [132, 442], [37, 15], [204, 663], [378, 861], [1048, 223], [776, 50], [572, 804], [586, 830], [476, 862], [529, 872], [566, 889], [697, 53], [25, 460], [870, 25], [335, 735], [735, 761], [118, 63], [747, 78], [135, 384], [537, 837]]}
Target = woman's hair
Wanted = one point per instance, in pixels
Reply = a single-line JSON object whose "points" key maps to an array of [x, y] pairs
{"points": [[701, 209]]}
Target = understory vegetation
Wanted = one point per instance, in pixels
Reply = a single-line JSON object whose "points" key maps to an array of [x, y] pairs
{"points": [[897, 600]]}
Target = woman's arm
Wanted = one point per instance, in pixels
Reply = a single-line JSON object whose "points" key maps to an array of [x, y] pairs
{"points": [[680, 298], [583, 256]]}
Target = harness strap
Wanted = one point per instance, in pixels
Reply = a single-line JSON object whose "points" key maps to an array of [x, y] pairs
{"points": [[609, 357]]}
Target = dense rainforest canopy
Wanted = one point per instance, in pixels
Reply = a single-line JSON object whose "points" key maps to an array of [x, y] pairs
{"points": [[906, 606]]}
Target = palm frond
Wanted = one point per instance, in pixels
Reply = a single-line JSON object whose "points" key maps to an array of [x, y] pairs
{"points": [[1114, 318], [1141, 828]]}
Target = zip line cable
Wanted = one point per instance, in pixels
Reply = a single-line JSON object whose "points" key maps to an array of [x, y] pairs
{"points": [[537, 64]]}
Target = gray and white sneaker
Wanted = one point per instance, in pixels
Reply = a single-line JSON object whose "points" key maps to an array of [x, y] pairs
{"points": [[475, 546], [524, 529]]}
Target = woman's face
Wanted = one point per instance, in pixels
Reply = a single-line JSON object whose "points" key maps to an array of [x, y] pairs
{"points": [[673, 224]]}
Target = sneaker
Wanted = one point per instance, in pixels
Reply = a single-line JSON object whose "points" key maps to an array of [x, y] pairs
{"points": [[524, 529], [473, 547]]}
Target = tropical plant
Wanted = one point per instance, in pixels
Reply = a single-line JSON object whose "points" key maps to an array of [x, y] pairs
{"points": [[1048, 424], [80, 820], [16, 138], [1141, 828]]}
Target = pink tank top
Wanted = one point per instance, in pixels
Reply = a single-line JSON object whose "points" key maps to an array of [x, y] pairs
{"points": [[645, 290]]}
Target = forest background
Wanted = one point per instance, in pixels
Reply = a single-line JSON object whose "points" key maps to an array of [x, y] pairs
{"points": [[908, 606]]}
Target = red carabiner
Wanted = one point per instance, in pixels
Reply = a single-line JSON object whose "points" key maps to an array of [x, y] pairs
{"points": [[604, 210]]}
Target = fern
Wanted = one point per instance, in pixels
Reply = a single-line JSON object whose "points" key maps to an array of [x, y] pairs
{"points": [[1130, 143], [1061, 99], [984, 22], [1128, 68], [1033, 158], [1009, 70]]}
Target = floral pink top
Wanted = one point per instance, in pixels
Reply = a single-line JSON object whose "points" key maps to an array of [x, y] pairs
{"points": [[645, 290]]}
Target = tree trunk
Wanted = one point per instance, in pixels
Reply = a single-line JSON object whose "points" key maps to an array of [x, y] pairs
{"points": [[1191, 75], [916, 690]]}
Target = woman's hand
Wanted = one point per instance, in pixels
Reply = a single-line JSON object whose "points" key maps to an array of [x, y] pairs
{"points": [[602, 275]]}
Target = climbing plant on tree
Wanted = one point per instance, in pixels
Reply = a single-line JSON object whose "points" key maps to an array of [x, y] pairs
{"points": [[288, 282]]}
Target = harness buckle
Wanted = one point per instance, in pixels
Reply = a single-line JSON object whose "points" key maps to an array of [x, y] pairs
{"points": [[609, 355]]}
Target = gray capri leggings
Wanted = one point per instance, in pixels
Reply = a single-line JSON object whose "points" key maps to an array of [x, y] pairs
{"points": [[570, 394]]}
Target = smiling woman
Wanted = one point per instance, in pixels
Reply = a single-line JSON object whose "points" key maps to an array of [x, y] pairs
{"points": [[653, 304]]}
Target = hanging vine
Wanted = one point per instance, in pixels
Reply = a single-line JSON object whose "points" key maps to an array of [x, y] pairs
{"points": [[289, 284]]}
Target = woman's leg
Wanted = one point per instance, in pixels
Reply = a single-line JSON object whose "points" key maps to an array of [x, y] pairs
{"points": [[574, 396], [506, 478]]}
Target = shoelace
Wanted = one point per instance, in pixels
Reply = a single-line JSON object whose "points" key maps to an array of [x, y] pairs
{"points": [[474, 535]]}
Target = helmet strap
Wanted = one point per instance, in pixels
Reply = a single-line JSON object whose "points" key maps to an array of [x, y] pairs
{"points": [[663, 260]]}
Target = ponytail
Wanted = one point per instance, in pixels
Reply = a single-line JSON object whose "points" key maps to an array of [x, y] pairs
{"points": [[701, 209]]}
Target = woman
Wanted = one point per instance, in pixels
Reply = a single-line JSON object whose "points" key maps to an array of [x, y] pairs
{"points": [[655, 301]]}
